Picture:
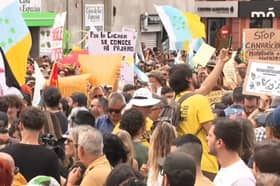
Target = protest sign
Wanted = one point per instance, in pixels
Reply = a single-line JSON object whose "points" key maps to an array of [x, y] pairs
{"points": [[94, 16], [57, 36], [107, 43], [104, 69], [70, 84], [215, 96], [262, 44], [229, 69], [203, 55], [262, 78]]}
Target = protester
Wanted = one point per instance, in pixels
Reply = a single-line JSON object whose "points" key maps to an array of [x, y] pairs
{"points": [[265, 154], [143, 101], [178, 169], [124, 175], [99, 106], [90, 152], [133, 121], [114, 149], [51, 97], [161, 141], [15, 104], [107, 122], [224, 141], [236, 110], [196, 114], [265, 179], [127, 141], [30, 157], [191, 145], [6, 173]]}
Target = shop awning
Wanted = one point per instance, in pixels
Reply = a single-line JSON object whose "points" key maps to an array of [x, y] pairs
{"points": [[39, 19]]}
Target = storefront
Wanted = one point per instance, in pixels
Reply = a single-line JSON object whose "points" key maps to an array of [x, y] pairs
{"points": [[256, 14], [151, 30], [215, 15], [39, 24]]}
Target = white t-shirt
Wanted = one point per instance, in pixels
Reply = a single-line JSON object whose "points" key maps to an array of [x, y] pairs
{"points": [[237, 174]]}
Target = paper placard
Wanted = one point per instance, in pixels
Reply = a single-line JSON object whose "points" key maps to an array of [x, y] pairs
{"points": [[106, 43], [203, 55], [229, 69], [262, 78], [105, 69], [215, 96], [262, 44], [70, 84]]}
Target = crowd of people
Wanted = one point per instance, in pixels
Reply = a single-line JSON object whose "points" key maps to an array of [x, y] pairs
{"points": [[164, 132]]}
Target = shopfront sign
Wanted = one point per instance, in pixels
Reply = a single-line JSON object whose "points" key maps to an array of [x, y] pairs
{"points": [[30, 5], [259, 9], [94, 16], [216, 8]]}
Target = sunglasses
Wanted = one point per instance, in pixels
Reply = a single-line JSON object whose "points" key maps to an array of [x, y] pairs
{"points": [[117, 111], [98, 96]]}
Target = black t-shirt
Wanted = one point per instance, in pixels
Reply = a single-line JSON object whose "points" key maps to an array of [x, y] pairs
{"points": [[34, 160], [62, 120]]}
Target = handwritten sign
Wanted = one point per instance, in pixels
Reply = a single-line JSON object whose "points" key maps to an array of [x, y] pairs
{"points": [[262, 78], [262, 44], [203, 55], [57, 36], [215, 96], [112, 43]]}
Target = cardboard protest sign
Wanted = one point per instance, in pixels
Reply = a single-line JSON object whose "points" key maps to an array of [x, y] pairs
{"points": [[57, 36], [104, 69], [112, 43], [262, 44], [70, 84], [262, 78], [215, 96], [203, 55]]}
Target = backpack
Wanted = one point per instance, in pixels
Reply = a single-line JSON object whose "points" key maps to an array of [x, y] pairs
{"points": [[172, 112]]}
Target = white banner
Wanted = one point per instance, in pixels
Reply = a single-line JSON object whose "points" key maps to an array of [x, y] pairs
{"points": [[57, 36], [112, 43], [94, 16]]}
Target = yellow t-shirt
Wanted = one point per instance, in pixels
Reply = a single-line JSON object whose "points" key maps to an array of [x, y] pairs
{"points": [[195, 111], [147, 134]]}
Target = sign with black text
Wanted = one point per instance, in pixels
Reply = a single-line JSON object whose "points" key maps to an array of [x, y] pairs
{"points": [[112, 43], [262, 78], [262, 44], [30, 5]]}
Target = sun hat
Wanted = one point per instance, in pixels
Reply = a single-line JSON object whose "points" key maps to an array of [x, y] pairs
{"points": [[142, 97]]}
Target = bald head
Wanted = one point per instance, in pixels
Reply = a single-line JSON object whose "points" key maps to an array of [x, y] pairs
{"points": [[8, 157]]}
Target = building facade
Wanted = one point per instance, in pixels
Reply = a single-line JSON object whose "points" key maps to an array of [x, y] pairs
{"points": [[114, 15]]}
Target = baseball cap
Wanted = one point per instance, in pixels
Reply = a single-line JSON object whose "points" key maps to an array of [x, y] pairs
{"points": [[156, 74], [43, 181], [179, 167], [142, 97]]}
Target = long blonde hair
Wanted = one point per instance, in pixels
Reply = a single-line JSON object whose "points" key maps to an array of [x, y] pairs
{"points": [[161, 141], [127, 141]]}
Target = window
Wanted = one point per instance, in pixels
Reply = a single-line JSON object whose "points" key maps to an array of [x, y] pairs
{"points": [[261, 23]]}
